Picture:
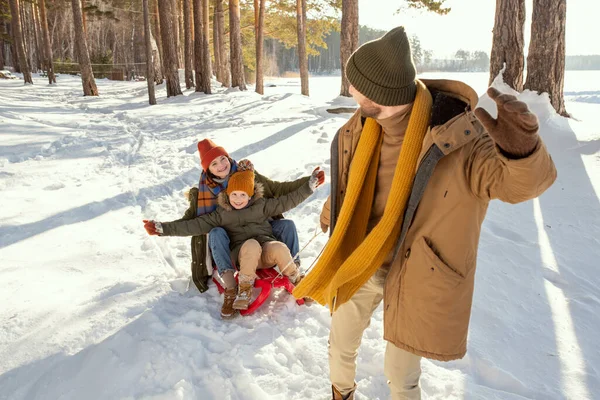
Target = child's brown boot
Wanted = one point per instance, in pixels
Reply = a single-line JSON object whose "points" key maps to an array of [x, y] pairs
{"points": [[245, 285], [227, 311]]}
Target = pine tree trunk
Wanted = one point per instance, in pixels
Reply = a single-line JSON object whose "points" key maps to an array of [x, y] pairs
{"points": [[38, 39], [259, 12], [84, 19], [169, 41], [14, 54], [302, 57], [206, 66], [158, 35], [198, 33], [180, 33], [235, 46], [223, 53], [1, 48], [216, 45], [18, 39], [47, 44], [546, 57], [2, 33], [28, 36], [348, 39], [87, 75], [156, 60], [508, 43], [132, 47], [149, 53], [189, 45]]}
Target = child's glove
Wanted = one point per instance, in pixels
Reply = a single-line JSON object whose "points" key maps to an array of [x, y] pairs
{"points": [[153, 227], [317, 178]]}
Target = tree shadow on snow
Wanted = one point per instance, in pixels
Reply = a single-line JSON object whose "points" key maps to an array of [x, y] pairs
{"points": [[180, 348], [10, 234], [553, 317], [571, 221]]}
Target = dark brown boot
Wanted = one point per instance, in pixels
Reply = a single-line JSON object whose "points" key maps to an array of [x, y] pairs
{"points": [[227, 311], [336, 395]]}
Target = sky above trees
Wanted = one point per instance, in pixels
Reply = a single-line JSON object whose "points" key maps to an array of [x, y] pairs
{"points": [[469, 25]]}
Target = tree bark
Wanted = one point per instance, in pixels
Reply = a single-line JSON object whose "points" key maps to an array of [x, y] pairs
{"points": [[259, 16], [198, 40], [235, 46], [87, 75], [18, 38], [2, 33], [223, 53], [28, 35], [149, 54], [47, 44], [156, 60], [169, 41], [206, 66], [546, 57], [158, 36], [180, 33], [14, 54], [84, 18], [39, 51], [189, 49], [508, 43], [132, 48], [302, 57], [216, 45], [348, 39], [1, 46]]}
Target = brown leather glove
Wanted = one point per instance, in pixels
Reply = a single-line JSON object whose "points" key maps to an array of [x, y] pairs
{"points": [[325, 213], [515, 130]]}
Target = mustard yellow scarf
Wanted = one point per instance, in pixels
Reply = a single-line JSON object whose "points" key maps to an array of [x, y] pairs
{"points": [[351, 256]]}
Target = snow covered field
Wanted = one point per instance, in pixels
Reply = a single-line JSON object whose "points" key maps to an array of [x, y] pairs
{"points": [[94, 308]]}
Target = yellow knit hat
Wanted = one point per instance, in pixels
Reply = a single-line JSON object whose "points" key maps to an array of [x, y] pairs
{"points": [[242, 181]]}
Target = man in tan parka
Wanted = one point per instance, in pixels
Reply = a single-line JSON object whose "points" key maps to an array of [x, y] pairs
{"points": [[413, 172]]}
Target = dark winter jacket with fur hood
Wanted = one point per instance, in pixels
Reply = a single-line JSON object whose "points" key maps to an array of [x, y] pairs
{"points": [[251, 222]]}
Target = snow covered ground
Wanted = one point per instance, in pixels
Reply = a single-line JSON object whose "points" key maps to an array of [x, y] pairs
{"points": [[94, 308]]}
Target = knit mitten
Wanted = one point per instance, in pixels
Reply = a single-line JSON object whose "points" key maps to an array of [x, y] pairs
{"points": [[317, 178], [515, 130], [153, 227]]}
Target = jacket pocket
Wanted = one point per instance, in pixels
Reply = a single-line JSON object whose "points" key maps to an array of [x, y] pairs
{"points": [[435, 302]]}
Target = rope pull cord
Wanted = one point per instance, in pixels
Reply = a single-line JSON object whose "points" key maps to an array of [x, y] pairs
{"points": [[317, 232]]}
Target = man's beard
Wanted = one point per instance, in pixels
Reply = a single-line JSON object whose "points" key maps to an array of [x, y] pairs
{"points": [[370, 110]]}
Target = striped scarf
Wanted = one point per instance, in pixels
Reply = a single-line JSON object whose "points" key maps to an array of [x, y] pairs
{"points": [[209, 189]]}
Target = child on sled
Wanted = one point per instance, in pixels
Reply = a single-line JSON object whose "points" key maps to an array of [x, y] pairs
{"points": [[244, 214]]}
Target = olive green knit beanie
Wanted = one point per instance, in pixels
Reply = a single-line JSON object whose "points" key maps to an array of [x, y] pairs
{"points": [[383, 70]]}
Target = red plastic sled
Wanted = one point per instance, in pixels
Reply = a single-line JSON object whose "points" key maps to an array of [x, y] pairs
{"points": [[266, 280]]}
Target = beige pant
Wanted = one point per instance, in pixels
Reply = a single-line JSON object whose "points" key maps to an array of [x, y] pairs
{"points": [[348, 323], [253, 256]]}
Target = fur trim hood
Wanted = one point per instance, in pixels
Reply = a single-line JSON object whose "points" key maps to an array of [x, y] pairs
{"points": [[223, 199]]}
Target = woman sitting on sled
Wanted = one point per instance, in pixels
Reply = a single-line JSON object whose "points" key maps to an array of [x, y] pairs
{"points": [[244, 214]]}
